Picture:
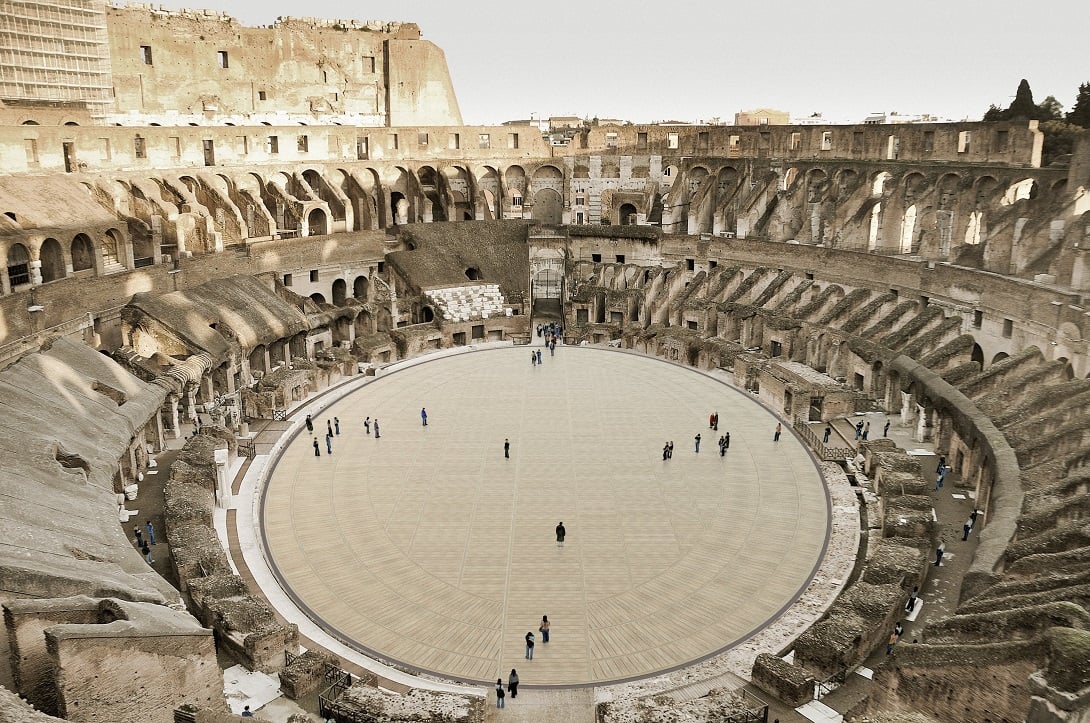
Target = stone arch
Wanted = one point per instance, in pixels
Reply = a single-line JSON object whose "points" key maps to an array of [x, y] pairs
{"points": [[1000, 357], [18, 265], [360, 287], [627, 214], [787, 181], [878, 183], [1068, 370], [429, 185], [474, 274], [51, 256], [339, 292], [1025, 189], [514, 178], [846, 180], [111, 247], [977, 355], [83, 253], [669, 174], [548, 172], [489, 188], [548, 206], [257, 359], [364, 323], [317, 223], [696, 176], [427, 314], [317, 298]]}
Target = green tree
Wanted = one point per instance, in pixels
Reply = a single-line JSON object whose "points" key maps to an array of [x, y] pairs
{"points": [[995, 113], [1059, 140], [1050, 109], [1080, 112]]}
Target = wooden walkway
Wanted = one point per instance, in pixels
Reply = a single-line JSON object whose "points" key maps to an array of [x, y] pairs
{"points": [[429, 549]]}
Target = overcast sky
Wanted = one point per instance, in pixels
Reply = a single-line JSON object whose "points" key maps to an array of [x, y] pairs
{"points": [[691, 59]]}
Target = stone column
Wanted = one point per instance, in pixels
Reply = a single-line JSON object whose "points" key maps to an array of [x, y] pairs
{"points": [[172, 415], [923, 423], [223, 479]]}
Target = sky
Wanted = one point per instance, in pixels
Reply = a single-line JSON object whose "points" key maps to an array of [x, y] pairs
{"points": [[695, 60]]}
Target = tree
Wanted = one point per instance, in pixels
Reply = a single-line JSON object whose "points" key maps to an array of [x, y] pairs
{"points": [[995, 113], [1059, 141], [1080, 112], [1023, 107], [1050, 109]]}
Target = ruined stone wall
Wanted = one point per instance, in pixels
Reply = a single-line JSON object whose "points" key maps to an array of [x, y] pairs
{"points": [[206, 64], [141, 678]]}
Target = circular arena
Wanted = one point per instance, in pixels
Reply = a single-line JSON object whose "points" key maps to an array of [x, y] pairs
{"points": [[429, 548]]}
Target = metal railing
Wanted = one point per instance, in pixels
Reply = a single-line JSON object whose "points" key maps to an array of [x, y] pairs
{"points": [[822, 450], [339, 681]]}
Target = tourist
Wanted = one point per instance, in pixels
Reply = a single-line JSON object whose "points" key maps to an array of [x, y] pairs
{"points": [[367, 426], [722, 446], [671, 452], [317, 449], [942, 463], [715, 421], [328, 428], [912, 597], [538, 356], [967, 528], [711, 420], [336, 426], [697, 440], [329, 443], [885, 429], [147, 552], [247, 713], [779, 429], [726, 441], [828, 431], [513, 684], [533, 358], [507, 449], [666, 451], [310, 424], [530, 645], [859, 429], [544, 628], [151, 532], [939, 552], [866, 431], [424, 416], [560, 533], [499, 692], [893, 638], [139, 536], [376, 428]]}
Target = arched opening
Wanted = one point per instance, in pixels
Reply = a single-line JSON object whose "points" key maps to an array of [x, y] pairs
{"points": [[316, 223], [52, 261], [1000, 357], [359, 288], [467, 216], [257, 359], [109, 248], [400, 208], [627, 214], [31, 123], [143, 250], [365, 324], [875, 227], [298, 345], [908, 228], [340, 291], [426, 315], [83, 253], [977, 355], [473, 273], [18, 265], [1068, 370], [317, 298]]}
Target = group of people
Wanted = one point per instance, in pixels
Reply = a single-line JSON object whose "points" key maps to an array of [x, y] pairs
{"points": [[513, 678], [332, 429], [142, 543]]}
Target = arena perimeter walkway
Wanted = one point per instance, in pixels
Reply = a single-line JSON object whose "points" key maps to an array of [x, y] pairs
{"points": [[429, 549]]}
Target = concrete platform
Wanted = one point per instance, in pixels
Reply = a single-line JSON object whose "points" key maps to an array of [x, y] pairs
{"points": [[429, 549]]}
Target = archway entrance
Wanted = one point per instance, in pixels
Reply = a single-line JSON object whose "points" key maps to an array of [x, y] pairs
{"points": [[546, 293]]}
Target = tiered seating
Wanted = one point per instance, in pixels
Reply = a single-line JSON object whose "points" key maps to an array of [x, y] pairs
{"points": [[462, 303]]}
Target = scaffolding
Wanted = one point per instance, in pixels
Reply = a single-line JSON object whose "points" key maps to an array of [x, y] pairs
{"points": [[56, 51]]}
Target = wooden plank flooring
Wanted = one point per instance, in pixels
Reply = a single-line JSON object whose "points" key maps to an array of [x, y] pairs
{"points": [[430, 547]]}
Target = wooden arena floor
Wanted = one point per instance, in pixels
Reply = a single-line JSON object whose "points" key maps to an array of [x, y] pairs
{"points": [[428, 548]]}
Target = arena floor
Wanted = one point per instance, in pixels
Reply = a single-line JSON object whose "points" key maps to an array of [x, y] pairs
{"points": [[427, 548]]}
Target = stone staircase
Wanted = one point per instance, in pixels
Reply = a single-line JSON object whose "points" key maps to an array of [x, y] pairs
{"points": [[112, 267], [462, 303]]}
